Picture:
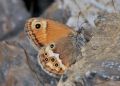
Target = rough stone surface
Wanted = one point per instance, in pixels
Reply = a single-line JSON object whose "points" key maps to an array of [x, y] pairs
{"points": [[53, 12], [100, 65], [12, 18], [87, 10]]}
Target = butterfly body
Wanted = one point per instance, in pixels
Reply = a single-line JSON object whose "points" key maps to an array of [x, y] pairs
{"points": [[55, 43]]}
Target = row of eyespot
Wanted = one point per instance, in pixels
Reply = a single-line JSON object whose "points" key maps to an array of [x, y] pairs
{"points": [[52, 60]]}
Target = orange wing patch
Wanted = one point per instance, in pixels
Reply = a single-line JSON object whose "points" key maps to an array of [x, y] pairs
{"points": [[47, 31]]}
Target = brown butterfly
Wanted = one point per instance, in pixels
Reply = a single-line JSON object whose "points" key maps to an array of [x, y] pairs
{"points": [[57, 44]]}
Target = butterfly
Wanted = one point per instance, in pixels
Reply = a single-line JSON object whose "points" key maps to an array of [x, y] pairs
{"points": [[56, 43]]}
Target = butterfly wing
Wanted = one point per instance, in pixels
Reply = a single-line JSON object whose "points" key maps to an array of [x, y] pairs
{"points": [[45, 31], [50, 62]]}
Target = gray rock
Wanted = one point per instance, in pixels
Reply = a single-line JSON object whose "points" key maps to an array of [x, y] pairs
{"points": [[101, 57]]}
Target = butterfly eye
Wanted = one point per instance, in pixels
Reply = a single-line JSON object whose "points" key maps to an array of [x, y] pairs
{"points": [[37, 26]]}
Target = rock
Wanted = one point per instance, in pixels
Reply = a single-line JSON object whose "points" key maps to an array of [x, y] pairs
{"points": [[100, 65], [87, 10], [14, 70], [53, 12], [12, 18]]}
